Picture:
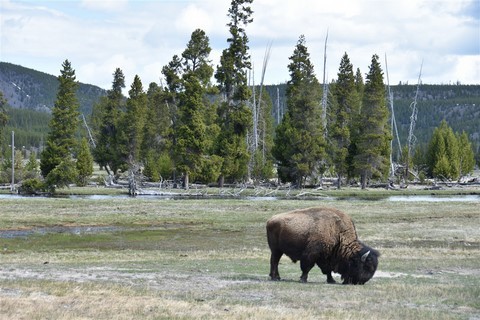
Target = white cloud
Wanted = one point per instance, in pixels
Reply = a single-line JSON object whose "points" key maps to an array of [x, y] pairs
{"points": [[467, 69], [104, 5], [140, 37], [193, 17]]}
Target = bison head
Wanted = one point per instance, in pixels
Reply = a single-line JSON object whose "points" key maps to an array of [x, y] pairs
{"points": [[361, 267]]}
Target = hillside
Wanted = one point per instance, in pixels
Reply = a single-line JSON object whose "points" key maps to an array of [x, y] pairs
{"points": [[459, 105], [30, 95], [30, 89]]}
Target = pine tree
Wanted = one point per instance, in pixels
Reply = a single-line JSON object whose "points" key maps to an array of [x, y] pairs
{"points": [[190, 147], [346, 105], [359, 85], [32, 167], [62, 175], [234, 114], [107, 153], [150, 169], [299, 143], [188, 81], [84, 163], [132, 124], [61, 142], [466, 154], [231, 73], [443, 159], [157, 140], [196, 58], [355, 126], [212, 164], [373, 147]]}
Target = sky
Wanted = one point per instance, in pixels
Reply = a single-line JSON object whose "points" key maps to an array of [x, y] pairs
{"points": [[442, 37]]}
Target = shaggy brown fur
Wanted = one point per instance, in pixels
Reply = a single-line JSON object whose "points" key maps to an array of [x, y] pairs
{"points": [[322, 236]]}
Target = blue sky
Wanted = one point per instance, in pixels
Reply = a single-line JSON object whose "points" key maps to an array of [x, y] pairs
{"points": [[141, 36]]}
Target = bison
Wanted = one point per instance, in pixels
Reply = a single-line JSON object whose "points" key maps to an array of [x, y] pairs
{"points": [[322, 236]]}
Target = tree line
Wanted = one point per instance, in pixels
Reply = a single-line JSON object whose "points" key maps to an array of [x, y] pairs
{"points": [[189, 129]]}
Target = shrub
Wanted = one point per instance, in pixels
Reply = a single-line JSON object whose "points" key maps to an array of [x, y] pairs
{"points": [[32, 186]]}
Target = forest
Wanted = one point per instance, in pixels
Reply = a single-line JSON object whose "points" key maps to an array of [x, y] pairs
{"points": [[190, 129]]}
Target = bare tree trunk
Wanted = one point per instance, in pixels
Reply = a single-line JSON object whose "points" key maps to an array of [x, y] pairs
{"points": [[186, 182], [221, 181], [132, 183], [363, 180]]}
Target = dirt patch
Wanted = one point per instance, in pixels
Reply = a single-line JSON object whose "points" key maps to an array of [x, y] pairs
{"points": [[457, 244], [159, 280], [79, 230]]}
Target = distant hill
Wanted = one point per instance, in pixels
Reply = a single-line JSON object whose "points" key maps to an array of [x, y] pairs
{"points": [[30, 89], [31, 95], [459, 105]]}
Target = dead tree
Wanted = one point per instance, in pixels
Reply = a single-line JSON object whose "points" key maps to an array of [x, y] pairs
{"points": [[257, 113], [413, 119], [325, 89], [393, 125]]}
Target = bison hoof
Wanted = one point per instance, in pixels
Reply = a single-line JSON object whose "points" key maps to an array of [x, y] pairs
{"points": [[275, 278], [302, 280]]}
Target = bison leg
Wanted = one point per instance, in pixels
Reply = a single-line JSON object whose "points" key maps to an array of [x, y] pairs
{"points": [[330, 278], [306, 265], [328, 273], [274, 260]]}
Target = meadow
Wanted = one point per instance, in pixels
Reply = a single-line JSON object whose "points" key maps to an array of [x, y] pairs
{"points": [[149, 258]]}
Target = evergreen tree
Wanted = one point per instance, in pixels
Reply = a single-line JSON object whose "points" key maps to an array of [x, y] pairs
{"points": [[150, 169], [466, 154], [32, 167], [346, 105], [84, 163], [359, 85], [231, 73], [443, 159], [62, 175], [212, 164], [157, 140], [373, 147], [190, 148], [234, 114], [188, 81], [173, 75], [355, 126], [61, 142], [299, 143], [196, 58], [107, 153], [133, 122]]}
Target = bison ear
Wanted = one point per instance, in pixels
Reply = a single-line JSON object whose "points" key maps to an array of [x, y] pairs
{"points": [[365, 255]]}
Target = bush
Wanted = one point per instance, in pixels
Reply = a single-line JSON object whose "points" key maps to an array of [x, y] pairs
{"points": [[31, 186]]}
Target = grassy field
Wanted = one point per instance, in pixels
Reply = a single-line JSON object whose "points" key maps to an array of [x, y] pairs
{"points": [[145, 258]]}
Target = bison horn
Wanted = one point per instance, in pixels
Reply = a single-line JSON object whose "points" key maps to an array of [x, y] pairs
{"points": [[365, 255]]}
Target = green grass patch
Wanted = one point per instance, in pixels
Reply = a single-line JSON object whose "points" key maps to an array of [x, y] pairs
{"points": [[209, 259]]}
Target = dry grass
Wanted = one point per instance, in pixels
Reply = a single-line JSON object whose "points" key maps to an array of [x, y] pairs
{"points": [[197, 259]]}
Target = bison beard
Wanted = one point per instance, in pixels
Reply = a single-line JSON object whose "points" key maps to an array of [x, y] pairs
{"points": [[322, 236]]}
